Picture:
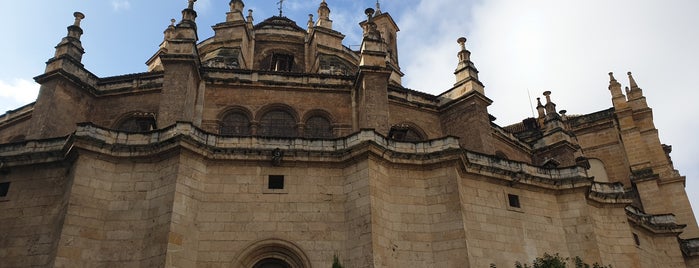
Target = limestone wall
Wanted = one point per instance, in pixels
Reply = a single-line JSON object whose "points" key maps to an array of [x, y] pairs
{"points": [[236, 209], [181, 197], [426, 121], [31, 215], [501, 234], [657, 250], [109, 111], [255, 100], [119, 212]]}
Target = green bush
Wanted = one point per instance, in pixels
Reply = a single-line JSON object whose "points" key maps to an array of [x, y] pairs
{"points": [[336, 262], [556, 261]]}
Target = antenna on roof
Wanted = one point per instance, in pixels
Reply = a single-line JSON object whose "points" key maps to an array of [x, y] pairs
{"points": [[531, 106], [281, 7]]}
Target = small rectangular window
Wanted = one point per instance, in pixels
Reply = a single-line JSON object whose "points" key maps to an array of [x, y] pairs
{"points": [[513, 200], [4, 189], [636, 240], [276, 182]]}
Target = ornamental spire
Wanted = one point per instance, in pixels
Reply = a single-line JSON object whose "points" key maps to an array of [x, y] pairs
{"points": [[324, 16], [632, 82], [70, 45], [635, 92], [189, 15]]}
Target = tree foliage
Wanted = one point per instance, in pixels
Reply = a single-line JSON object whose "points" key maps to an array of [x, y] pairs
{"points": [[556, 261], [336, 262]]}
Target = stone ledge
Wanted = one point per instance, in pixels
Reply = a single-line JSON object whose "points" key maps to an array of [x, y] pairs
{"points": [[690, 247], [518, 172], [610, 193], [658, 224], [186, 136]]}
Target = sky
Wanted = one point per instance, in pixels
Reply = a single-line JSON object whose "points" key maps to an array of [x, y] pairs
{"points": [[521, 48]]}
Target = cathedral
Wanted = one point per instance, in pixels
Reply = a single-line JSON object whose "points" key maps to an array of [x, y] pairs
{"points": [[272, 145]]}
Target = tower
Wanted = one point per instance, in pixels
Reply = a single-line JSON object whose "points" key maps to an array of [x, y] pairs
{"points": [[66, 93], [370, 96]]}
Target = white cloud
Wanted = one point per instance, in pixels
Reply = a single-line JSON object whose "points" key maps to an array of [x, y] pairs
{"points": [[16, 93], [119, 5], [568, 48]]}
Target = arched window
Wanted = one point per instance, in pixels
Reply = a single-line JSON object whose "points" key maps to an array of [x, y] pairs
{"points": [[318, 127], [501, 155], [551, 163], [598, 170], [138, 123], [404, 132], [412, 135], [235, 123], [278, 123], [282, 62]]}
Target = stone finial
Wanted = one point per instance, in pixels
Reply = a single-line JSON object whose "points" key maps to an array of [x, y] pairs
{"points": [[236, 5], [635, 92], [189, 15], [369, 12], [249, 19], [614, 86], [632, 81], [464, 55], [550, 106], [462, 42], [548, 96], [170, 29], [540, 108], [324, 16], [310, 21], [78, 17], [378, 8], [563, 113]]}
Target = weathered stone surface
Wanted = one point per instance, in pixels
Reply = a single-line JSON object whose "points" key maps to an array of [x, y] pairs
{"points": [[172, 189]]}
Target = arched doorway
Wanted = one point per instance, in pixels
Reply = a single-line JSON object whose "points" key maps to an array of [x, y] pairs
{"points": [[272, 263], [272, 253]]}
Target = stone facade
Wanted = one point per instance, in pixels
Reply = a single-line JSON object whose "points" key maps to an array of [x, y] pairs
{"points": [[271, 145]]}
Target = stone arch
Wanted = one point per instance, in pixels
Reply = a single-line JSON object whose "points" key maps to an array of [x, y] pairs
{"points": [[280, 60], [551, 163], [281, 252], [277, 120], [318, 124], [597, 170], [501, 155], [235, 120], [136, 122], [407, 131]]}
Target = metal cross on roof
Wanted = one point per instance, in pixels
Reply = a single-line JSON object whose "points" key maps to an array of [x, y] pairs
{"points": [[281, 7]]}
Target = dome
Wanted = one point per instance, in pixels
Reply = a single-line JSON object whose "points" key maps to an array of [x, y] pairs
{"points": [[277, 22]]}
